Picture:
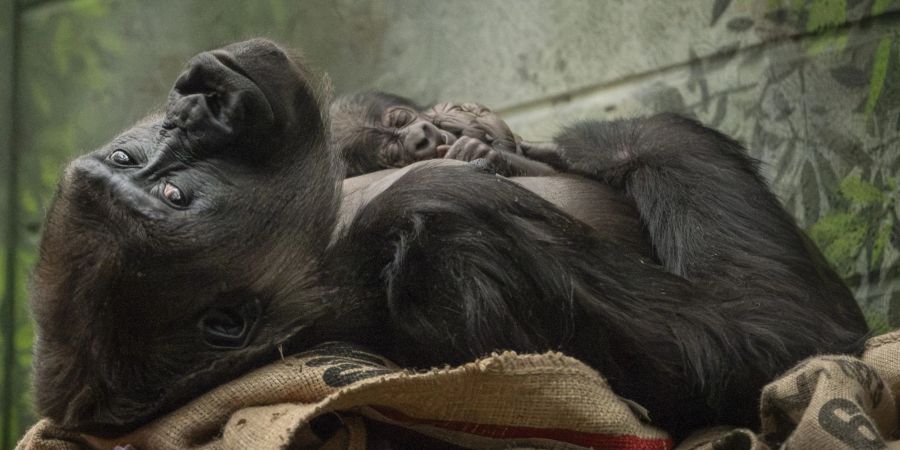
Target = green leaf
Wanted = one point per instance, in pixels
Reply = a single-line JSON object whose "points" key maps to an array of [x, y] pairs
{"points": [[879, 72], [882, 241], [878, 322], [825, 13], [841, 237], [880, 6], [832, 42], [859, 192]]}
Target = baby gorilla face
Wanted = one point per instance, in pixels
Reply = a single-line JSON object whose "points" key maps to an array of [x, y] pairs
{"points": [[410, 137]]}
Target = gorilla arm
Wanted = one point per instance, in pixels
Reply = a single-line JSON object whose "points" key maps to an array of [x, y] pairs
{"points": [[596, 204], [709, 213]]}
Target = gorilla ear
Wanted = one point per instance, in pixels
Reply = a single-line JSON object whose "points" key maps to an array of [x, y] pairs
{"points": [[230, 326], [214, 102]]}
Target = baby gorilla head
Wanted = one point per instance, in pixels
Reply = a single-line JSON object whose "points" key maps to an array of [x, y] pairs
{"points": [[168, 246], [376, 130]]}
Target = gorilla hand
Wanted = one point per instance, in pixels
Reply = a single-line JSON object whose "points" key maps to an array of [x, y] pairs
{"points": [[504, 163]]}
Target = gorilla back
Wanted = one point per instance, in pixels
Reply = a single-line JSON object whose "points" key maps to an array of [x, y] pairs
{"points": [[188, 249]]}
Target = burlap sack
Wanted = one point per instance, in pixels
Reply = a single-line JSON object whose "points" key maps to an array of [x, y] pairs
{"points": [[337, 396], [340, 397], [824, 403]]}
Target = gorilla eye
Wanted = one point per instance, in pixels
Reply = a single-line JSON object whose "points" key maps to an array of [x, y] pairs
{"points": [[174, 195], [230, 327], [392, 154], [398, 117], [121, 158]]}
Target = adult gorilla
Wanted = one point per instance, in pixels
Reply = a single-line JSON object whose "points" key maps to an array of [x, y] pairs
{"points": [[185, 251]]}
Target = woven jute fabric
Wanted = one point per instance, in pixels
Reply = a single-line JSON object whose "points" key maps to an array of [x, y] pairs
{"points": [[338, 397], [331, 397], [823, 403]]}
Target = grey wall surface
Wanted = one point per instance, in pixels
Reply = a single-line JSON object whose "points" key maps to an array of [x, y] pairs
{"points": [[812, 87]]}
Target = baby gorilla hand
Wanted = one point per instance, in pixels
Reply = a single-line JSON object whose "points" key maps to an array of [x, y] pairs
{"points": [[466, 148], [470, 149], [504, 163]]}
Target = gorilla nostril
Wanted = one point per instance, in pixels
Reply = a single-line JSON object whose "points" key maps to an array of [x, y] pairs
{"points": [[210, 74], [213, 102], [193, 81], [422, 143]]}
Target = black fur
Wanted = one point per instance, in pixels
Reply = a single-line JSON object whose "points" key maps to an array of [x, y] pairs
{"points": [[460, 252], [444, 265]]}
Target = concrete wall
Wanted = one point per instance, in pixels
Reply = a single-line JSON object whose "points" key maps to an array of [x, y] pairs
{"points": [[811, 86]]}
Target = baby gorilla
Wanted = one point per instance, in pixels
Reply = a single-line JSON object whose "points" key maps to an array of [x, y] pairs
{"points": [[375, 133], [196, 244], [376, 130]]}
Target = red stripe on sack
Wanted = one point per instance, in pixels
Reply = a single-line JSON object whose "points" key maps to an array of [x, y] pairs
{"points": [[584, 439]]}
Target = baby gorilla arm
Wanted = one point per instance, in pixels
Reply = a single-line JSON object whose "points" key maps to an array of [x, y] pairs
{"points": [[503, 162]]}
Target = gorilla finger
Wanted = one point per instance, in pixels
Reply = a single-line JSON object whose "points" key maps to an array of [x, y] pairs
{"points": [[456, 148], [484, 150], [452, 149], [470, 151]]}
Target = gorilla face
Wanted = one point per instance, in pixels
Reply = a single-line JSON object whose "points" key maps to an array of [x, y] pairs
{"points": [[171, 246]]}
